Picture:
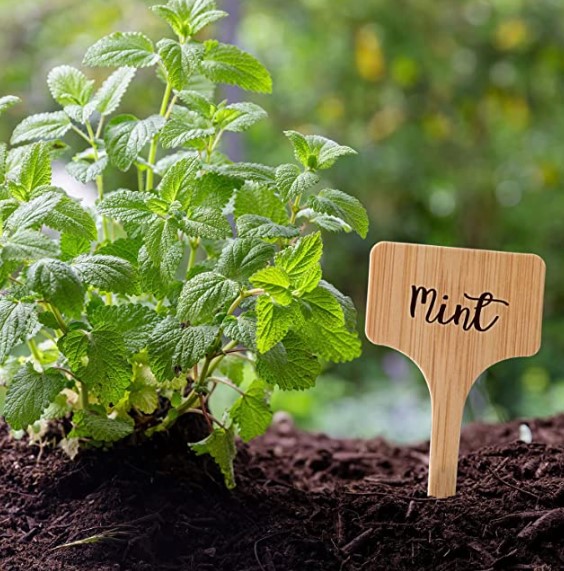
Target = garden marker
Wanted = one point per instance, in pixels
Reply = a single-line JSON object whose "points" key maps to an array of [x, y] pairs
{"points": [[454, 312]]}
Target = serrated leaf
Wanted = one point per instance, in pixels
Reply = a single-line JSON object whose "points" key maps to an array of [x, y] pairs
{"points": [[301, 147], [323, 308], [242, 329], [193, 344], [126, 136], [179, 179], [3, 163], [34, 171], [131, 49], [179, 60], [135, 322], [242, 257], [261, 201], [70, 218], [29, 393], [338, 345], [88, 424], [18, 322], [292, 182], [44, 126], [273, 322], [275, 282], [253, 226], [205, 295], [251, 412], [343, 206], [126, 248], [73, 246], [212, 190], [203, 14], [317, 152], [34, 212], [7, 102], [301, 262], [150, 275], [225, 63], [163, 246], [239, 117], [58, 283], [324, 221], [145, 399], [207, 223], [80, 113], [85, 171], [250, 172], [289, 365], [127, 206], [107, 273], [198, 102], [69, 86], [97, 357], [28, 245], [220, 445], [109, 96], [161, 347], [184, 127]]}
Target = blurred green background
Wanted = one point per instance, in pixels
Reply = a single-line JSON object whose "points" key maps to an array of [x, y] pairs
{"points": [[457, 111]]}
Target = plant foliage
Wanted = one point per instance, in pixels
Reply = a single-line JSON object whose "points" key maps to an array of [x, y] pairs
{"points": [[206, 275]]}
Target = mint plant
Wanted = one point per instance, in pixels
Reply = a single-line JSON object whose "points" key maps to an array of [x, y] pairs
{"points": [[206, 274]]}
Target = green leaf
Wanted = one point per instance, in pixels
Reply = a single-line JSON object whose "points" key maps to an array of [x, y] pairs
{"points": [[202, 14], [179, 179], [44, 126], [324, 221], [28, 245], [85, 171], [225, 63], [73, 246], [58, 283], [289, 365], [301, 262], [7, 102], [204, 296], [144, 398], [131, 49], [275, 282], [80, 113], [126, 136], [242, 257], [207, 223], [239, 117], [163, 246], [317, 152], [253, 226], [127, 206], [193, 345], [107, 273], [184, 127], [323, 308], [18, 322], [242, 329], [109, 96], [180, 61], [261, 201], [33, 213], [152, 280], [251, 412], [70, 218], [3, 161], [273, 322], [69, 86], [343, 206], [220, 445], [135, 322], [212, 190], [161, 347], [34, 171], [88, 424], [97, 357], [292, 182], [250, 172], [29, 393]]}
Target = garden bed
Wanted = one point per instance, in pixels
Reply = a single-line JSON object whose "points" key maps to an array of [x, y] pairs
{"points": [[303, 502]]}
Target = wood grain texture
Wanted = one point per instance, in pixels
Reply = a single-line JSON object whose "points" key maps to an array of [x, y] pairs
{"points": [[454, 312]]}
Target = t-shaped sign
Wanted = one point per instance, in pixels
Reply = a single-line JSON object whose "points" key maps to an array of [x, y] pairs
{"points": [[454, 312]]}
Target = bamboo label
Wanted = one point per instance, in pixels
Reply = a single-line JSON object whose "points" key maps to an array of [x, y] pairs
{"points": [[454, 312]]}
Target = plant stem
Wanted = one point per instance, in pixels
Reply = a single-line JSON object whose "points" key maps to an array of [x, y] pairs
{"points": [[32, 345], [80, 133], [227, 384], [59, 317], [194, 245], [295, 209], [164, 112], [83, 396]]}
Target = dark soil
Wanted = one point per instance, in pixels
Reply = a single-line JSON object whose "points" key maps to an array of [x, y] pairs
{"points": [[304, 502]]}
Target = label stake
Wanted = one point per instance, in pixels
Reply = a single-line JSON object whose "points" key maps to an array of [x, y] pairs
{"points": [[454, 312]]}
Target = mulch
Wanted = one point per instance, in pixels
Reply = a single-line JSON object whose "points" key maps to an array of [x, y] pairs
{"points": [[304, 502]]}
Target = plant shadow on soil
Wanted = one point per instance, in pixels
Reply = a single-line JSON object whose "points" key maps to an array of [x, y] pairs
{"points": [[303, 502]]}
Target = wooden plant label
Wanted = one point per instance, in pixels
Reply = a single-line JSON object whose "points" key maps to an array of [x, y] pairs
{"points": [[454, 312]]}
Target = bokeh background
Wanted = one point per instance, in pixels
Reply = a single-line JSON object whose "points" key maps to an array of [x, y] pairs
{"points": [[457, 111]]}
